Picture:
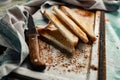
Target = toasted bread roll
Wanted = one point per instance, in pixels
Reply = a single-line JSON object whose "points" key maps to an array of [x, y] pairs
{"points": [[64, 31], [54, 35], [85, 26], [73, 26]]}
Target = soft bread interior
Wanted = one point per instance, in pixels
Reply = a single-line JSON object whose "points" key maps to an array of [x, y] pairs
{"points": [[54, 35]]}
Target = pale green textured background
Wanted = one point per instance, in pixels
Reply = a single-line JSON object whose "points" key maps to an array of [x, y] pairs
{"points": [[113, 45]]}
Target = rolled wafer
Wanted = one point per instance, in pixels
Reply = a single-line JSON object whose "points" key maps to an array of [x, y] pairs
{"points": [[87, 28], [73, 39], [73, 26]]}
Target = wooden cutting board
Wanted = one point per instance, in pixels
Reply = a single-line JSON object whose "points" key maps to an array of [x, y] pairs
{"points": [[85, 64]]}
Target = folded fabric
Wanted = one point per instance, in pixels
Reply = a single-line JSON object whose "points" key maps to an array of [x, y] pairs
{"points": [[12, 27]]}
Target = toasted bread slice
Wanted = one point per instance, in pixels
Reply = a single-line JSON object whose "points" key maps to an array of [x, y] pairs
{"points": [[73, 39], [73, 26], [54, 35], [81, 21]]}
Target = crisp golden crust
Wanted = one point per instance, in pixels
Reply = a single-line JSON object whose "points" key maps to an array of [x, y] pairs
{"points": [[73, 39], [78, 17], [54, 35], [73, 26]]}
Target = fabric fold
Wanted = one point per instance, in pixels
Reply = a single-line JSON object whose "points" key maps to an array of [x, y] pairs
{"points": [[12, 27]]}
